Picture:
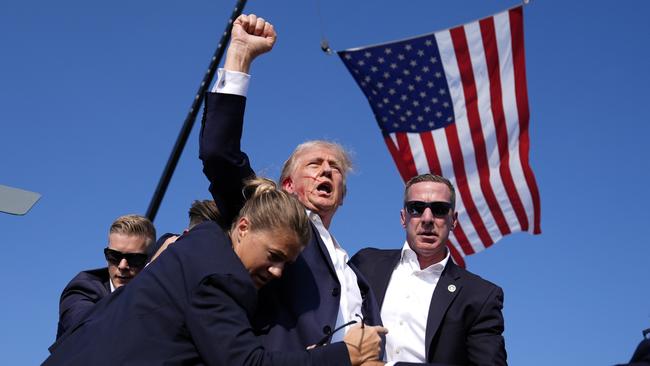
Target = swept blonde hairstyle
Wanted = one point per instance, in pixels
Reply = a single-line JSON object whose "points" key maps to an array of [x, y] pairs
{"points": [[268, 207], [134, 225]]}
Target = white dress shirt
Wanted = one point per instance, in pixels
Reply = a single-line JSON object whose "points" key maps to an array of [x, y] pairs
{"points": [[350, 301], [406, 307], [231, 82], [234, 82]]}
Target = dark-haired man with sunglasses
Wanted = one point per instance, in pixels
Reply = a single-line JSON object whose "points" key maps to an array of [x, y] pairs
{"points": [[436, 311], [128, 239]]}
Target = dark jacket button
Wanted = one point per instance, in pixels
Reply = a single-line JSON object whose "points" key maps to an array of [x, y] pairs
{"points": [[327, 329], [336, 291]]}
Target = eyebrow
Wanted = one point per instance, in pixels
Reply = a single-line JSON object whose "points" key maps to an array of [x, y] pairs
{"points": [[279, 254], [333, 162]]}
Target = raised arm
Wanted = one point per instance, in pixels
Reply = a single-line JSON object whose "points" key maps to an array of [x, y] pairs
{"points": [[224, 164]]}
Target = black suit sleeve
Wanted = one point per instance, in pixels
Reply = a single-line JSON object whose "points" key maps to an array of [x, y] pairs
{"points": [[223, 335], [77, 299], [224, 164], [485, 343]]}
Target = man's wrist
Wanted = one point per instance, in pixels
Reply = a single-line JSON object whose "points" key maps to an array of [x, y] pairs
{"points": [[231, 82], [238, 58]]}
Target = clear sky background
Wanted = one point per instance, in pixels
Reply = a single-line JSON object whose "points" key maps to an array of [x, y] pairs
{"points": [[93, 94]]}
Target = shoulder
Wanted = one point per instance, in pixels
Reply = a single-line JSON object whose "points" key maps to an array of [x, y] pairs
{"points": [[98, 275], [205, 233], [92, 284], [203, 250], [372, 254], [476, 283]]}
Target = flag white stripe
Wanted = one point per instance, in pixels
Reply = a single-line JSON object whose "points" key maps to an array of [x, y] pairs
{"points": [[482, 78], [504, 41], [442, 149], [473, 36], [418, 153], [452, 72]]}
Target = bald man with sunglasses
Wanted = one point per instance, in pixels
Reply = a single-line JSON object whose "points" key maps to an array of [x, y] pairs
{"points": [[126, 255], [437, 312]]}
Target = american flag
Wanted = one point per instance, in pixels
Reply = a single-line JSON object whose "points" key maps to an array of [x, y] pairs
{"points": [[454, 103]]}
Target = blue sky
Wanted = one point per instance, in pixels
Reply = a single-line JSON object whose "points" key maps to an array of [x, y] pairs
{"points": [[93, 94]]}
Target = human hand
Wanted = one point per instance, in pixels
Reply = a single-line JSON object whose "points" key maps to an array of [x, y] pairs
{"points": [[251, 36], [374, 363], [164, 246], [364, 343]]}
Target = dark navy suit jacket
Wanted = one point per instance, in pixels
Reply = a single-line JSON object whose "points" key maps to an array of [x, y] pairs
{"points": [[464, 326], [191, 306], [298, 309], [80, 295]]}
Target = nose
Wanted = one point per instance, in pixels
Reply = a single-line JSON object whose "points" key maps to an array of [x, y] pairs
{"points": [[123, 265], [276, 270], [326, 168], [427, 217]]}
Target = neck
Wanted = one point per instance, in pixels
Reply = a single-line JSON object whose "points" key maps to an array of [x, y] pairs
{"points": [[429, 260], [326, 218]]}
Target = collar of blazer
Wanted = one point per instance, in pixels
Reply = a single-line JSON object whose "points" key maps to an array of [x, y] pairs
{"points": [[321, 246], [448, 287]]}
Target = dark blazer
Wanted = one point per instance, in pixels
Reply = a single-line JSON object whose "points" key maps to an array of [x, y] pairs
{"points": [[80, 295], [641, 356], [464, 327], [192, 306], [298, 309]]}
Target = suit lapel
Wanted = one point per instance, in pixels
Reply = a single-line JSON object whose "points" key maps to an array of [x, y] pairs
{"points": [[382, 273], [440, 301], [323, 249]]}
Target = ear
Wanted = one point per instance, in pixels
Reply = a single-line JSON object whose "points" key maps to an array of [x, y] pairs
{"points": [[454, 220], [402, 217], [243, 227], [287, 184]]}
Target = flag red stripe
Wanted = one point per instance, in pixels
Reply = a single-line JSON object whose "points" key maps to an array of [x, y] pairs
{"points": [[519, 62], [464, 243], [395, 154], [488, 34], [406, 155], [455, 255], [434, 167], [471, 105], [430, 152], [458, 164]]}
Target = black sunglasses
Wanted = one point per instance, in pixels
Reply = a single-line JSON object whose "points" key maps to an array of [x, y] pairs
{"points": [[416, 208], [137, 260]]}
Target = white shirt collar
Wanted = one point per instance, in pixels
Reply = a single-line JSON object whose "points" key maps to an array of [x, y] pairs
{"points": [[322, 230], [409, 258]]}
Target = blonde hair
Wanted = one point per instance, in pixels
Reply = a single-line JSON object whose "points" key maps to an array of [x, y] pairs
{"points": [[134, 225], [268, 207], [342, 154]]}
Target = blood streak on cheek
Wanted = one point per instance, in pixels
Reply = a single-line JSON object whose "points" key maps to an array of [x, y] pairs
{"points": [[313, 187]]}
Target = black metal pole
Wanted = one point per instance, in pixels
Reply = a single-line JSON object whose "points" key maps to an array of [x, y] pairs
{"points": [[166, 177]]}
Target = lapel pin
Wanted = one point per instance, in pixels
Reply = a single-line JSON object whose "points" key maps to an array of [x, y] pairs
{"points": [[451, 288]]}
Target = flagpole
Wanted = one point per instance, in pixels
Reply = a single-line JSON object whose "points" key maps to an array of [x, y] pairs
{"points": [[183, 135]]}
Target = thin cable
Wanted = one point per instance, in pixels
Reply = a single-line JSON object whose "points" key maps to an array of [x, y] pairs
{"points": [[324, 43]]}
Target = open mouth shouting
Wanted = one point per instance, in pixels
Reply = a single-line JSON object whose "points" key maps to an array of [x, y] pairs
{"points": [[324, 188]]}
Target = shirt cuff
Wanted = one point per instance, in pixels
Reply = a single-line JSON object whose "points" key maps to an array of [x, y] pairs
{"points": [[231, 82], [392, 363]]}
